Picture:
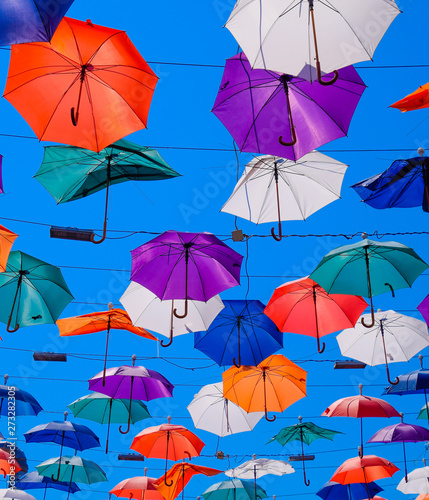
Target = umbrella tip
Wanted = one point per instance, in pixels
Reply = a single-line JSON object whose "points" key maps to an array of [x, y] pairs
{"points": [[169, 418], [254, 457], [421, 360], [5, 378], [421, 151], [110, 306], [89, 22], [364, 236], [145, 471], [360, 388], [65, 415], [300, 418], [134, 357], [274, 497]]}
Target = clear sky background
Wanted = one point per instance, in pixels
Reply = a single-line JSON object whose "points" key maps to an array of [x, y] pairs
{"points": [[196, 144]]}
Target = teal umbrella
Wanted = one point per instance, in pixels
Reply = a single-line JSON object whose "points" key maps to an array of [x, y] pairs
{"points": [[104, 410], [306, 433], [70, 173], [235, 489], [32, 292], [368, 268]]}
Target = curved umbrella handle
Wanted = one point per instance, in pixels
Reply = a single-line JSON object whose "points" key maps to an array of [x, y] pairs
{"points": [[181, 316], [273, 234], [8, 329], [320, 350], [395, 382], [269, 419], [4, 473], [166, 480], [187, 453], [237, 365], [293, 134], [103, 236], [372, 320], [169, 342], [128, 426], [55, 479], [325, 82], [391, 289], [306, 481], [74, 117]]}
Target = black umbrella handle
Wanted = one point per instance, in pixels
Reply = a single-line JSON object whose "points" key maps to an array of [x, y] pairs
{"points": [[129, 414], [171, 327], [18, 286], [368, 278]]}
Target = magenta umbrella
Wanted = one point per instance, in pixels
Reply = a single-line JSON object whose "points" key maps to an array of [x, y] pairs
{"points": [[194, 266], [282, 115], [405, 433]]}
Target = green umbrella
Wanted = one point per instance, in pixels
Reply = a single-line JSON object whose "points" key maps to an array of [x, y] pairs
{"points": [[368, 268], [306, 433], [235, 489], [70, 173], [32, 292], [104, 410]]}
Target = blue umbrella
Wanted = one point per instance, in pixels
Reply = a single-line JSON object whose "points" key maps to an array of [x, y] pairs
{"points": [[240, 334], [24, 21], [25, 403], [33, 480], [336, 491], [404, 184]]}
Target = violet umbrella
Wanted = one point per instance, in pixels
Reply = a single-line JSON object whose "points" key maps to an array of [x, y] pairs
{"points": [[405, 433], [133, 382], [186, 266], [282, 115]]}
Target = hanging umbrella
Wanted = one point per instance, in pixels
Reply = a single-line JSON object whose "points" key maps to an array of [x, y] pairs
{"points": [[278, 114], [404, 184], [180, 475], [105, 410], [172, 442], [356, 491], [138, 488], [7, 237], [145, 308], [287, 37], [393, 338], [32, 292], [211, 412], [405, 433], [187, 266], [240, 334], [300, 188], [133, 382], [116, 319], [303, 307], [19, 455], [13, 494], [25, 403], [234, 489], [417, 481], [423, 307], [306, 433], [33, 481], [419, 99], [30, 20], [8, 464], [273, 385], [71, 173], [368, 268], [88, 87], [360, 407]]}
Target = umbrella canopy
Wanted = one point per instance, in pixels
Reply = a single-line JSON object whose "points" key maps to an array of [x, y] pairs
{"points": [[234, 489], [7, 237], [8, 464], [30, 20], [76, 469], [180, 475], [423, 307], [33, 481], [138, 487], [356, 491], [259, 467], [240, 334], [417, 482], [415, 382], [211, 412], [278, 114], [419, 99], [14, 494], [145, 308], [300, 188], [189, 266], [72, 75], [19, 455], [302, 306], [25, 403], [70, 173], [368, 268], [393, 338], [32, 292], [364, 470], [288, 37], [273, 385], [404, 184]]}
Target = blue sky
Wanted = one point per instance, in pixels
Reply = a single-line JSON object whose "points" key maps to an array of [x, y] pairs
{"points": [[180, 117]]}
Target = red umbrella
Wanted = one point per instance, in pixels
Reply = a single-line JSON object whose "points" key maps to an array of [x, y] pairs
{"points": [[304, 307], [360, 407]]}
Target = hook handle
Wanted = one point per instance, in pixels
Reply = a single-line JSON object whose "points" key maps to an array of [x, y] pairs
{"points": [[74, 117], [170, 341], [166, 480], [372, 320], [325, 82], [56, 479], [237, 365], [320, 350], [269, 419], [391, 289], [128, 427], [273, 234], [8, 329], [293, 134], [4, 473], [181, 316]]}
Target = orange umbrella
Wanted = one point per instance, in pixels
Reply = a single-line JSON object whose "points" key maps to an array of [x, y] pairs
{"points": [[7, 237], [418, 99], [138, 488], [116, 319], [172, 442], [180, 475], [422, 496], [8, 464], [273, 385], [88, 87]]}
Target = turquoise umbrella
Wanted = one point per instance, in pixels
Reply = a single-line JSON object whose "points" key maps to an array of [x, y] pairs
{"points": [[70, 173], [235, 489], [104, 410], [368, 268], [32, 292]]}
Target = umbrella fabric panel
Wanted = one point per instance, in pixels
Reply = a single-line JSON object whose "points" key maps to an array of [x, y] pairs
{"points": [[402, 432], [356, 491], [74, 469], [362, 470], [25, 403], [415, 382]]}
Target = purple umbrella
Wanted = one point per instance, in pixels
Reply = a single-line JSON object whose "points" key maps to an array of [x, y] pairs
{"points": [[423, 307], [282, 115], [135, 382], [405, 433], [194, 266]]}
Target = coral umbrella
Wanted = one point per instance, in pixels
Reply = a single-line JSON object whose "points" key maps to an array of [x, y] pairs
{"points": [[172, 442], [7, 237], [273, 385], [180, 475], [360, 407], [113, 319], [419, 99], [302, 306], [21, 459], [8, 464], [88, 87], [138, 487]]}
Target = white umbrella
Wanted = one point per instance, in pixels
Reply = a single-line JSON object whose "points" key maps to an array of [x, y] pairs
{"points": [[211, 412], [272, 188], [288, 36], [258, 467], [417, 482], [147, 311], [393, 337], [11, 494]]}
